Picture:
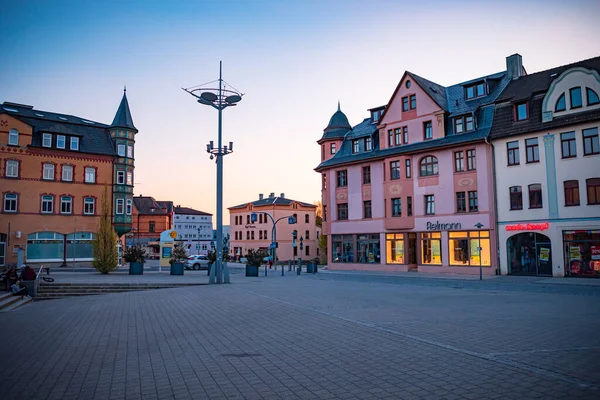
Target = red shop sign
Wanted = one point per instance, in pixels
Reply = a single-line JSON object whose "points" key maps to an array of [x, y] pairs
{"points": [[528, 227]]}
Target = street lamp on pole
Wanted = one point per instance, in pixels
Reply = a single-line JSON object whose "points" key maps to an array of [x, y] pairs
{"points": [[218, 98], [479, 225], [291, 220]]}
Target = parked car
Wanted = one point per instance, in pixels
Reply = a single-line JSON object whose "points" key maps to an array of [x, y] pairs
{"points": [[197, 262]]}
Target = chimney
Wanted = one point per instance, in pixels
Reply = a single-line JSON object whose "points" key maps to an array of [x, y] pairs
{"points": [[260, 196], [514, 66], [271, 195], [282, 195]]}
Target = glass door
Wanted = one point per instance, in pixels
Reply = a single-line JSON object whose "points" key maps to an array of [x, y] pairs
{"points": [[544, 258], [412, 248]]}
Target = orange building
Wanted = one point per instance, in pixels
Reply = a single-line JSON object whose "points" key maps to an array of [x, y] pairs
{"points": [[54, 170], [150, 218]]}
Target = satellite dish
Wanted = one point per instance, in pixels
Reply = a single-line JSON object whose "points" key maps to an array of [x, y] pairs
{"points": [[209, 96], [234, 98]]}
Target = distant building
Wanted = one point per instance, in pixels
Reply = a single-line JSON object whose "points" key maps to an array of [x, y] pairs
{"points": [[54, 170], [150, 218], [194, 228], [246, 235]]}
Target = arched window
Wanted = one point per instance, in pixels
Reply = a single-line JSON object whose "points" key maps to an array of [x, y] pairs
{"points": [[561, 104], [592, 97], [429, 166], [13, 136], [12, 169]]}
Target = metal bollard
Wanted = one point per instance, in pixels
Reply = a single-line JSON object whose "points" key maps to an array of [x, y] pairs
{"points": [[289, 266], [299, 267]]}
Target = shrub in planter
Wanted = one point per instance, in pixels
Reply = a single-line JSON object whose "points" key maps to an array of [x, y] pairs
{"points": [[178, 258], [136, 257], [255, 260]]}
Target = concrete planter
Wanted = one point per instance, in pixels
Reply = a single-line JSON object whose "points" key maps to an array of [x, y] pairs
{"points": [[136, 268], [251, 270], [177, 269]]}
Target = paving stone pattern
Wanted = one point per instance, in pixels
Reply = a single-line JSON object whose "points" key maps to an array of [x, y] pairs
{"points": [[308, 337]]}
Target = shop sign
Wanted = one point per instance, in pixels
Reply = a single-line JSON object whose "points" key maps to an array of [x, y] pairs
{"points": [[575, 253], [431, 226], [595, 252], [528, 227], [544, 254]]}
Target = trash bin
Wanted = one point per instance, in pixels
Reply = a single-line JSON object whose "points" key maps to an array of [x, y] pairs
{"points": [[176, 269], [310, 268]]}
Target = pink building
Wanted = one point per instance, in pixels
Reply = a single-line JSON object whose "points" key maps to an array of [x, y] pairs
{"points": [[410, 188], [246, 235]]}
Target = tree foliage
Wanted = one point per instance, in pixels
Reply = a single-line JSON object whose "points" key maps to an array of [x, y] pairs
{"points": [[179, 254], [323, 249], [256, 257], [135, 254], [105, 244], [319, 213]]}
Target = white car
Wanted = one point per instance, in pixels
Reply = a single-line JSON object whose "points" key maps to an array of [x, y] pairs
{"points": [[197, 262]]}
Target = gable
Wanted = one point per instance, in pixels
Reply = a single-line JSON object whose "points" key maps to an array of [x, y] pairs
{"points": [[560, 89]]}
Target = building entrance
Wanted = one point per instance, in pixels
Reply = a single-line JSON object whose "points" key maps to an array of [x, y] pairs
{"points": [[2, 249], [529, 253]]}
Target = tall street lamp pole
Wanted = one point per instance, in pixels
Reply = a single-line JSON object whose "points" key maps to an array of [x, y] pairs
{"points": [[479, 225], [218, 98], [291, 220]]}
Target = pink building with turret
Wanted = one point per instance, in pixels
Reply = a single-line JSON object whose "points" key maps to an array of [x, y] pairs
{"points": [[411, 187]]}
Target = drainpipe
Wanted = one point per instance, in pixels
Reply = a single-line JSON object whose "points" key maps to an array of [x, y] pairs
{"points": [[495, 205]]}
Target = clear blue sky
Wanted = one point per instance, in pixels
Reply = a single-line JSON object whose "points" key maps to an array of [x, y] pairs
{"points": [[293, 59]]}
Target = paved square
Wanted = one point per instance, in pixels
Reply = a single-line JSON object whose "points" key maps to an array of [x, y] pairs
{"points": [[323, 336]]}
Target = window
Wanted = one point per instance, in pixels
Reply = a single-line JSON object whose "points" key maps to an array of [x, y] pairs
{"points": [[458, 125], [568, 145], [409, 206], [151, 226], [252, 235], [571, 193], [366, 172], [47, 204], [464, 248], [469, 124], [561, 104], [413, 101], [355, 146], [324, 181], [74, 143], [260, 235], [60, 141], [429, 166], [473, 204], [120, 177], [248, 219], [592, 97], [398, 136], [429, 204], [390, 138], [394, 243], [532, 150], [575, 95], [593, 190], [535, 195], [512, 149], [307, 250], [49, 172], [247, 235], [367, 211], [13, 137], [89, 206], [47, 140], [66, 205], [461, 202], [129, 206], [324, 213], [342, 178], [67, 173], [368, 144], [405, 103], [90, 175], [12, 169], [307, 235], [459, 162], [121, 150], [474, 91], [408, 172], [431, 243], [120, 206], [332, 148], [471, 161], [521, 111], [10, 202], [516, 198], [427, 130], [395, 170], [405, 134], [464, 124], [342, 211], [129, 179], [129, 151], [396, 207], [590, 142], [306, 218]]}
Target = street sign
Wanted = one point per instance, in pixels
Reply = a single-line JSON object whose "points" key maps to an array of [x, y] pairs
{"points": [[253, 217], [291, 220], [274, 245]]}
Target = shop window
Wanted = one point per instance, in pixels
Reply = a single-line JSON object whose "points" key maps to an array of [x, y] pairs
{"points": [[593, 190], [367, 246], [469, 248], [582, 253], [535, 195], [431, 245], [516, 198], [512, 150], [571, 193], [590, 142], [342, 248], [394, 244], [568, 144]]}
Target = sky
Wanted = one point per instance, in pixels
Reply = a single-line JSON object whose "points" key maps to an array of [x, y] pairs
{"points": [[293, 60]]}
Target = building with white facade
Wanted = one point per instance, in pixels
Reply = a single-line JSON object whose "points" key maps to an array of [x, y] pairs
{"points": [[194, 228], [547, 172]]}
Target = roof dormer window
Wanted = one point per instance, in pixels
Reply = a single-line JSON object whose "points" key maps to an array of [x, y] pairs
{"points": [[476, 90], [375, 116], [575, 95], [521, 111], [561, 104], [355, 146], [592, 97], [47, 140]]}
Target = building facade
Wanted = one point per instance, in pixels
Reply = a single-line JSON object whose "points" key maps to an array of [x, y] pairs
{"points": [[194, 228], [547, 168], [246, 234], [150, 218], [54, 171], [410, 188]]}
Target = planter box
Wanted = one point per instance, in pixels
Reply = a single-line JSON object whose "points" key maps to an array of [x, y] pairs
{"points": [[176, 269], [251, 270], [136, 268]]}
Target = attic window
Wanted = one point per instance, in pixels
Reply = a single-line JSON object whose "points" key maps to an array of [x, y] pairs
{"points": [[87, 122], [476, 90], [561, 105], [592, 97], [39, 115], [63, 118], [408, 84], [10, 109]]}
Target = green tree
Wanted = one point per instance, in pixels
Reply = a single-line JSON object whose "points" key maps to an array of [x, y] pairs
{"points": [[179, 254], [323, 249], [319, 213], [105, 243]]}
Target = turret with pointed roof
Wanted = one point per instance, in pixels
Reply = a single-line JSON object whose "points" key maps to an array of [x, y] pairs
{"points": [[123, 116], [338, 126]]}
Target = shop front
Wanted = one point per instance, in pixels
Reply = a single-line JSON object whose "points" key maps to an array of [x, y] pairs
{"points": [[356, 249], [582, 253], [529, 253]]}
